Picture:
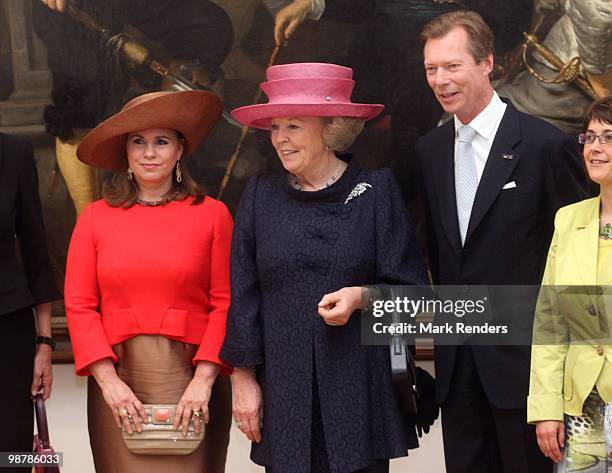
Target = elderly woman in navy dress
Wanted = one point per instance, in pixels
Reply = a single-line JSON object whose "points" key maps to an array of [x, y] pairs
{"points": [[309, 395]]}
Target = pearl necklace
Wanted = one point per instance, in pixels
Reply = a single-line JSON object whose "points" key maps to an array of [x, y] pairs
{"points": [[296, 185]]}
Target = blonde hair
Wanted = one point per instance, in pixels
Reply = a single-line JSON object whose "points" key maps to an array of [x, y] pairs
{"points": [[340, 133]]}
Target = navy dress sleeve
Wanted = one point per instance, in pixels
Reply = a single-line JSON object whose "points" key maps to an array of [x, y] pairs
{"points": [[398, 259], [243, 345]]}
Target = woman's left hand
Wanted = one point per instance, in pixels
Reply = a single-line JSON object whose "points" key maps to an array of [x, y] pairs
{"points": [[336, 308], [194, 401], [42, 379]]}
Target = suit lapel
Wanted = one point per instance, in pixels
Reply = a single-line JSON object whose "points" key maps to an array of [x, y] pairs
{"points": [[445, 186], [497, 169]]}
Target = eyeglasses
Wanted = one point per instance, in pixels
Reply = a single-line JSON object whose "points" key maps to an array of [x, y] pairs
{"points": [[589, 138]]}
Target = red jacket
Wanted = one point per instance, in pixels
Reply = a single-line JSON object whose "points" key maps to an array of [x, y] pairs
{"points": [[148, 270]]}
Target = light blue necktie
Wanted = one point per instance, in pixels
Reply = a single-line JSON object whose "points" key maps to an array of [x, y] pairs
{"points": [[466, 178]]}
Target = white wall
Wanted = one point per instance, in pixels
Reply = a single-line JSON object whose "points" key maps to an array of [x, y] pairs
{"points": [[67, 412]]}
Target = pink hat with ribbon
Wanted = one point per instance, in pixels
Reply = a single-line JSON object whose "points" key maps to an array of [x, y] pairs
{"points": [[306, 89]]}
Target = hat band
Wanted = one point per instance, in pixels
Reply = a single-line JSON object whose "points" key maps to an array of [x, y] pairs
{"points": [[309, 91]]}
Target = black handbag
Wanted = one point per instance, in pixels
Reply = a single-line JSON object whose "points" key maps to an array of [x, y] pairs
{"points": [[414, 387], [403, 374]]}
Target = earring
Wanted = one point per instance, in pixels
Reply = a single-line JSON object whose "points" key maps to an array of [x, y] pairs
{"points": [[179, 176], [130, 173], [327, 148]]}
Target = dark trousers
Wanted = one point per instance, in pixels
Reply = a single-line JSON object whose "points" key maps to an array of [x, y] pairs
{"points": [[17, 333], [480, 438]]}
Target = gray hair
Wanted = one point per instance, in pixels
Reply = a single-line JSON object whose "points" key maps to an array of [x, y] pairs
{"points": [[340, 132]]}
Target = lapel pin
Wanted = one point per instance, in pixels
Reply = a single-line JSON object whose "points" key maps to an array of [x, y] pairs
{"points": [[509, 157]]}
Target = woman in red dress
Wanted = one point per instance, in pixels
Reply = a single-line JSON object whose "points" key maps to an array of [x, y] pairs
{"points": [[147, 282]]}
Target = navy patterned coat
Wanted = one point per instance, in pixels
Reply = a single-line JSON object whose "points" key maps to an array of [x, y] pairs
{"points": [[289, 249]]}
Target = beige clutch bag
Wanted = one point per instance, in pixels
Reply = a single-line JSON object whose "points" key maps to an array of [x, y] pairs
{"points": [[158, 436]]}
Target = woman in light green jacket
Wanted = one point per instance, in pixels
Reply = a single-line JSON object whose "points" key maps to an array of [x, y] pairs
{"points": [[571, 363]]}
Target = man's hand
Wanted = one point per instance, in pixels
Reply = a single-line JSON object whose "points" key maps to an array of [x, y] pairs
{"points": [[544, 7], [59, 5], [289, 18]]}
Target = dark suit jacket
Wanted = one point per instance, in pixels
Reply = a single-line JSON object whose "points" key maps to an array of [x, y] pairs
{"points": [[509, 231], [27, 280]]}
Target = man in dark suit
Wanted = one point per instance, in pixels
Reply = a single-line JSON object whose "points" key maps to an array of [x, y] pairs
{"points": [[493, 179]]}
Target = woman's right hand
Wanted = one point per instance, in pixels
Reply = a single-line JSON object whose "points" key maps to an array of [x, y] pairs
{"points": [[551, 438], [247, 403], [123, 403]]}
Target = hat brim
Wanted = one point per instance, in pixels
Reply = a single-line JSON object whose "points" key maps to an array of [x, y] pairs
{"points": [[261, 115], [192, 113]]}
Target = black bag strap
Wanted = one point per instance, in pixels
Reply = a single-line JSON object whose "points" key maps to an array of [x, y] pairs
{"points": [[41, 420]]}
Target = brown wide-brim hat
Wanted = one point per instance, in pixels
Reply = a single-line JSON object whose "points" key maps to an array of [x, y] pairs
{"points": [[193, 113]]}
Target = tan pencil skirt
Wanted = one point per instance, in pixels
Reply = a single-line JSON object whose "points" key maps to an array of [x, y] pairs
{"points": [[157, 369]]}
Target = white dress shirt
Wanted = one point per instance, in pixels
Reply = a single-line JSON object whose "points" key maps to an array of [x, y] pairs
{"points": [[486, 124]]}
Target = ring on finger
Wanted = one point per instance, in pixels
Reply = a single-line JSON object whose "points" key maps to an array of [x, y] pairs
{"points": [[331, 322], [123, 412], [197, 413], [238, 424]]}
